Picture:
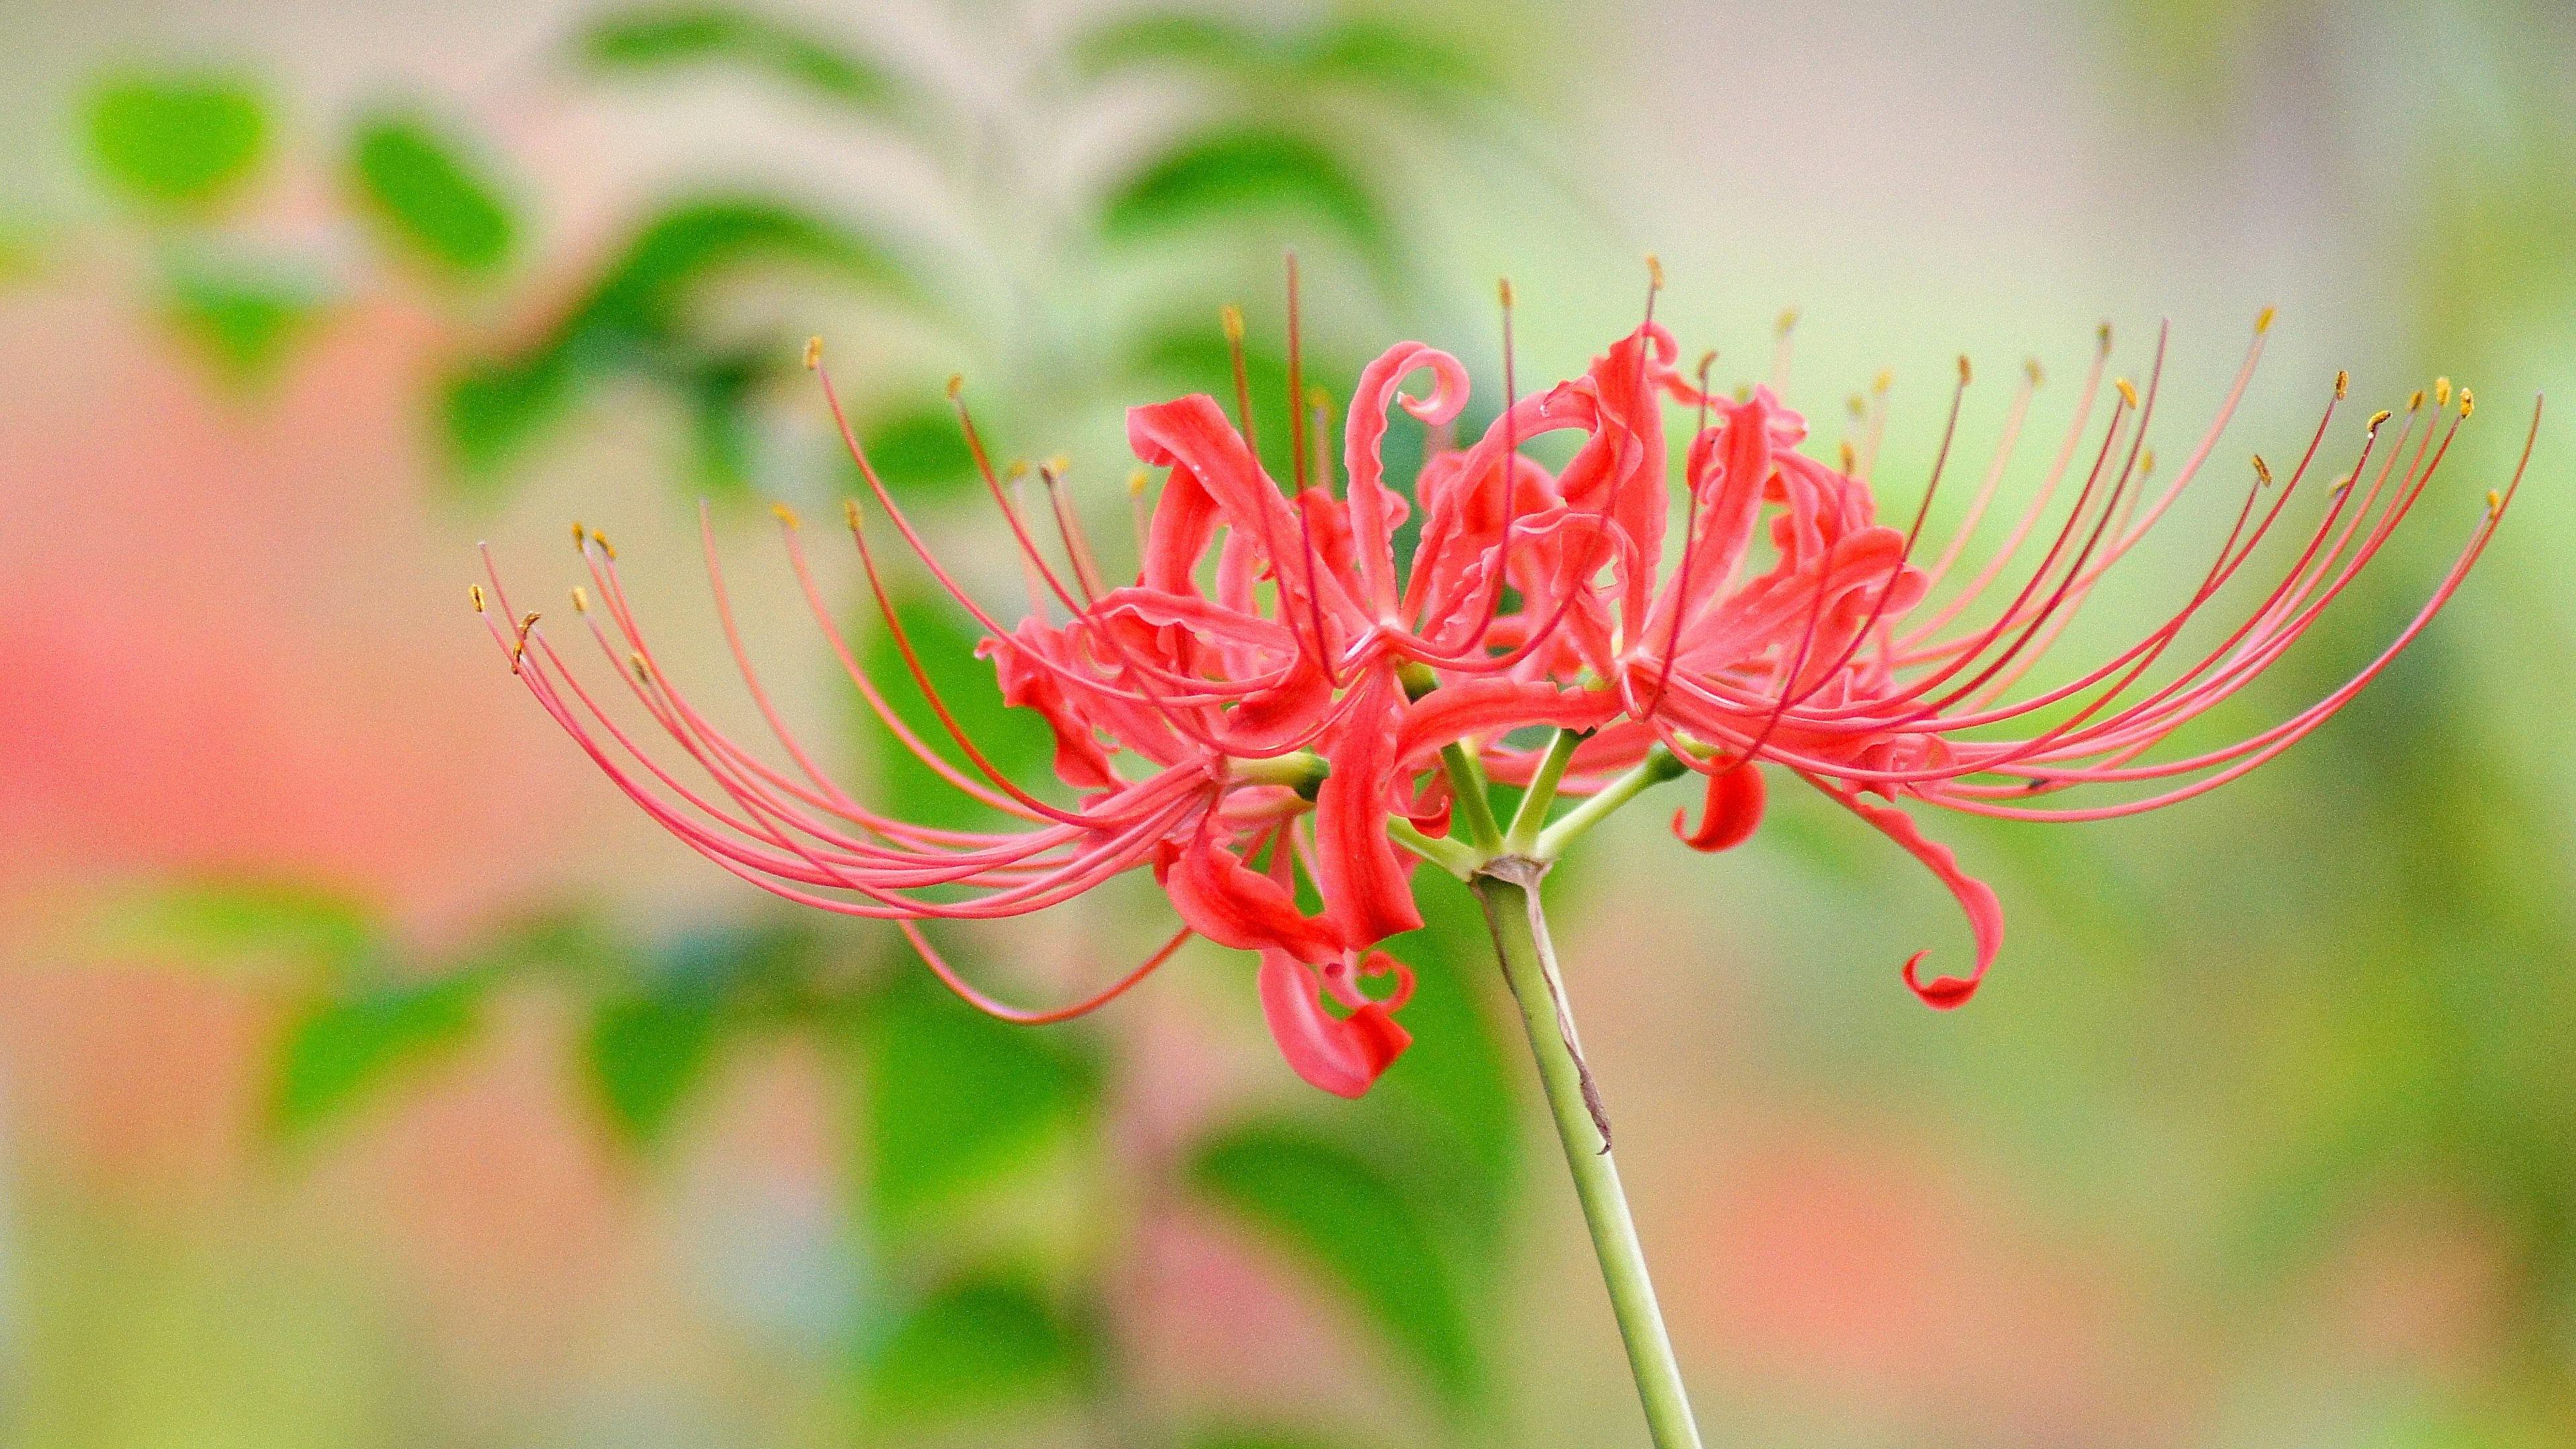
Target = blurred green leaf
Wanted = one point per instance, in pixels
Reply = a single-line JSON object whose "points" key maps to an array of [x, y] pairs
{"points": [[344, 1045], [695, 241], [975, 1348], [230, 921], [919, 451], [1405, 61], [1348, 1217], [653, 1042], [632, 322], [720, 393], [660, 38], [243, 313], [427, 191], [495, 407], [1016, 741], [646, 1051], [1452, 1093], [957, 1099], [178, 140], [1225, 174]]}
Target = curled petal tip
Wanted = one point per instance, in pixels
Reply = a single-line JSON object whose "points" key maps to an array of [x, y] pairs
{"points": [[1733, 811], [1941, 993]]}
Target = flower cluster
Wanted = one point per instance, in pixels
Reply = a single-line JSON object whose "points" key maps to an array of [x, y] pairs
{"points": [[1283, 707]]}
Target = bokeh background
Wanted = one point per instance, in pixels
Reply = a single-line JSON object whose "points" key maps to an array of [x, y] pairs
{"points": [[370, 1075]]}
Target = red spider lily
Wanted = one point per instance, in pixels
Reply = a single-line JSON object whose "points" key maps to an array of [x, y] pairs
{"points": [[1834, 664], [1274, 702], [1241, 714]]}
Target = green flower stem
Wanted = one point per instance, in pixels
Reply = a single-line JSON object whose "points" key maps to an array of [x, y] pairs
{"points": [[1656, 768], [1458, 859], [1475, 809], [1508, 888], [1522, 837]]}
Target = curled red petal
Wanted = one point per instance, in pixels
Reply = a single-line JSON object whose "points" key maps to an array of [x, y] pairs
{"points": [[1976, 900], [1733, 809], [1232, 904], [1342, 1055], [1366, 884]]}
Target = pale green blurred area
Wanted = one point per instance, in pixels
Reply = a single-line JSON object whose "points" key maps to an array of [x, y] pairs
{"points": [[2263, 1131]]}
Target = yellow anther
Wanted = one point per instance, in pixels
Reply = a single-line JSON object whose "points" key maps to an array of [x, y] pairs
{"points": [[2146, 462], [476, 592], [2377, 418], [2102, 337], [1654, 271], [2468, 402], [578, 533], [956, 385], [605, 546], [2262, 321], [786, 515], [580, 600], [1963, 369], [2495, 503], [1136, 482], [1018, 470], [2262, 470], [2441, 391], [528, 623], [2415, 400], [1231, 317], [1788, 322], [1317, 398], [1743, 393], [1886, 378], [1851, 459], [2030, 369], [813, 353], [1859, 405], [643, 671], [2128, 394], [1503, 287], [2343, 382], [1707, 360], [1059, 465], [850, 513]]}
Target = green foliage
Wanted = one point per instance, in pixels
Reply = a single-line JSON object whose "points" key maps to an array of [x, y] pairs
{"points": [[1015, 741], [493, 406], [242, 313], [1405, 61], [226, 922], [177, 141], [957, 1099], [659, 39], [1349, 1218], [634, 321], [647, 1050], [1452, 1094], [977, 1347], [1222, 175], [654, 1036], [919, 451], [344, 1044], [425, 189]]}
